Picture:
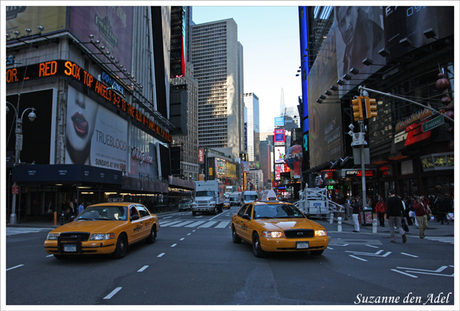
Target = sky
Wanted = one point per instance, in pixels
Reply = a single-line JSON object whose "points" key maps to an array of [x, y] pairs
{"points": [[271, 49]]}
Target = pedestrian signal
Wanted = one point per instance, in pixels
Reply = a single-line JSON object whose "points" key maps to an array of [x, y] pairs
{"points": [[357, 107]]}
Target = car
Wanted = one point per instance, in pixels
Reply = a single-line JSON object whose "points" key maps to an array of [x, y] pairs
{"points": [[274, 226], [226, 203], [185, 205], [105, 228]]}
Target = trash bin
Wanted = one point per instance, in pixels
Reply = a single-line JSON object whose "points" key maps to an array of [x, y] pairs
{"points": [[367, 216]]}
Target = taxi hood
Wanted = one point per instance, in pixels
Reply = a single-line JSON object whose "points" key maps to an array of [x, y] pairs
{"points": [[100, 226], [289, 223]]}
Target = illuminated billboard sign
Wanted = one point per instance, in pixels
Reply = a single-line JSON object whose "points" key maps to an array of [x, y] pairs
{"points": [[73, 71], [280, 154], [111, 25], [280, 137]]}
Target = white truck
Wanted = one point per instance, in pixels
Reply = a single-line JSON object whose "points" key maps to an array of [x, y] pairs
{"points": [[209, 197], [314, 202], [250, 196], [235, 198]]}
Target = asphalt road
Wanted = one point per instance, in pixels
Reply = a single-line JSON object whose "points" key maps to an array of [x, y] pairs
{"points": [[194, 262]]}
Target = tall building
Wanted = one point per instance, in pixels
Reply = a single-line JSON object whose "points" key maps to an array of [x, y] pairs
{"points": [[251, 103], [188, 144], [282, 103], [217, 57]]}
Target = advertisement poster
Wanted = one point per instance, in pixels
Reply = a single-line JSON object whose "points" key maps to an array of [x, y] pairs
{"points": [[111, 25], [280, 137], [95, 136], [325, 136], [359, 35], [51, 18], [280, 154]]}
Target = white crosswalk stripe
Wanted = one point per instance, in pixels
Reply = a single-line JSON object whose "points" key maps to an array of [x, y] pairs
{"points": [[196, 224], [445, 239], [14, 231]]}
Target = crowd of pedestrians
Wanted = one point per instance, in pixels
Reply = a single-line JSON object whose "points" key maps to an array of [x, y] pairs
{"points": [[399, 213]]}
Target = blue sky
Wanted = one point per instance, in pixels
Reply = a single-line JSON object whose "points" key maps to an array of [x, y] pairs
{"points": [[270, 39]]}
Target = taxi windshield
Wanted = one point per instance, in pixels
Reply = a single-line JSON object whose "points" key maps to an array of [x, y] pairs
{"points": [[277, 211], [104, 213]]}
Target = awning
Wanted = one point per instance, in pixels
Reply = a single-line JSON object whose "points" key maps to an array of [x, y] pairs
{"points": [[65, 173]]}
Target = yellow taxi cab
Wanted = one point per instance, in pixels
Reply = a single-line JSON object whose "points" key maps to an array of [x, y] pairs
{"points": [[274, 226], [106, 228]]}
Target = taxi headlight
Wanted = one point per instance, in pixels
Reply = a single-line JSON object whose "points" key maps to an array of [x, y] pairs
{"points": [[102, 236], [320, 233], [273, 234], [52, 236]]}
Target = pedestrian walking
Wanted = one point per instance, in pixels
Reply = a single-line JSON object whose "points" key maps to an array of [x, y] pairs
{"points": [[394, 214], [421, 214], [355, 210], [381, 209], [81, 208]]}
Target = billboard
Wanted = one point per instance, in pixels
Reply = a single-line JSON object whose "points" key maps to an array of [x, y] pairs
{"points": [[279, 121], [95, 136], [279, 137], [111, 25], [51, 18], [325, 135], [280, 154], [359, 35]]}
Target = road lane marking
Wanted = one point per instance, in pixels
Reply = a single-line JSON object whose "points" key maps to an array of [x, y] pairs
{"points": [[116, 290], [189, 234], [161, 255], [415, 256], [143, 268], [373, 246], [182, 239], [412, 276], [223, 224], [208, 224], [196, 223], [18, 266], [174, 245], [182, 223], [357, 258], [170, 223]]}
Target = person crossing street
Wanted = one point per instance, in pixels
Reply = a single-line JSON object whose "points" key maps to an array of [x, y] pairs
{"points": [[394, 214]]}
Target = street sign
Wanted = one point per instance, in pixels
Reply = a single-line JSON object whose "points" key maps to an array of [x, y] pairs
{"points": [[433, 123], [19, 142]]}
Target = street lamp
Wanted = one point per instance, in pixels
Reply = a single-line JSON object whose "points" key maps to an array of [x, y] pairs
{"points": [[18, 147]]}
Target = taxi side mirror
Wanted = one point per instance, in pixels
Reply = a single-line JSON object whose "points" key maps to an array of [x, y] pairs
{"points": [[246, 216]]}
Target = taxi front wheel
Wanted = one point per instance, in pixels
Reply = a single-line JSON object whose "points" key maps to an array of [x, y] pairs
{"points": [[256, 248], [235, 237]]}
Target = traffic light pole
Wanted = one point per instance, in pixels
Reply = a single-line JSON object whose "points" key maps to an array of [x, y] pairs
{"points": [[363, 88], [363, 167]]}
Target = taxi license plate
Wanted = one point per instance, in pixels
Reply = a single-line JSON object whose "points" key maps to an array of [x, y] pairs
{"points": [[302, 245], [70, 248]]}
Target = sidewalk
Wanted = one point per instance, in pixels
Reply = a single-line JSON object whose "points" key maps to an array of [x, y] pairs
{"points": [[434, 228]]}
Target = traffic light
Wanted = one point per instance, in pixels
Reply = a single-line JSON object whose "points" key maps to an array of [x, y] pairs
{"points": [[371, 108], [357, 107]]}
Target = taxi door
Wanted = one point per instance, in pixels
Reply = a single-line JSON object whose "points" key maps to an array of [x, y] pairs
{"points": [[146, 220], [244, 224], [136, 227]]}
